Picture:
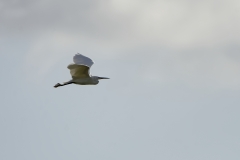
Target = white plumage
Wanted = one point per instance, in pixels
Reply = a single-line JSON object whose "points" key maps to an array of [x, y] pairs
{"points": [[80, 71], [82, 60]]}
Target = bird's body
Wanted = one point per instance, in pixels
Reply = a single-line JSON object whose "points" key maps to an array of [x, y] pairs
{"points": [[93, 80], [80, 72]]}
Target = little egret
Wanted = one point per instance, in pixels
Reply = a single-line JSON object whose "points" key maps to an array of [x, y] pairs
{"points": [[80, 72]]}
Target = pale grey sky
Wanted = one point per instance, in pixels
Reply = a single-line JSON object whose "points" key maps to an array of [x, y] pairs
{"points": [[174, 88]]}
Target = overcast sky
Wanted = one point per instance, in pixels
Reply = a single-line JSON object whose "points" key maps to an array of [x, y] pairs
{"points": [[174, 89]]}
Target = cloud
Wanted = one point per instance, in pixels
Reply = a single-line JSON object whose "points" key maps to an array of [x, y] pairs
{"points": [[189, 42], [176, 24], [46, 51]]}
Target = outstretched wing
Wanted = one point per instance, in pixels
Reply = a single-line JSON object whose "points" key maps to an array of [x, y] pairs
{"points": [[81, 66], [82, 60], [79, 71]]}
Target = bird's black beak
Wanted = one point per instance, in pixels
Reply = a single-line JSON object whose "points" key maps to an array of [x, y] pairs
{"points": [[103, 78]]}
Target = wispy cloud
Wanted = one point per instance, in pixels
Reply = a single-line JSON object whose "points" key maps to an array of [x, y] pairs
{"points": [[187, 41]]}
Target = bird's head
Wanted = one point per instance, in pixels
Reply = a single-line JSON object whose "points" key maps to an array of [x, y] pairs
{"points": [[96, 79], [103, 78]]}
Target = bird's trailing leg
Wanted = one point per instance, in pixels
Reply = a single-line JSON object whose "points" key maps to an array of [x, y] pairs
{"points": [[65, 83]]}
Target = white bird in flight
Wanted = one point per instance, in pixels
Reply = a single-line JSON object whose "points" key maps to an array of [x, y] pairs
{"points": [[80, 72]]}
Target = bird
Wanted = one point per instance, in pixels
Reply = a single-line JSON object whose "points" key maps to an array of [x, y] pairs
{"points": [[80, 72]]}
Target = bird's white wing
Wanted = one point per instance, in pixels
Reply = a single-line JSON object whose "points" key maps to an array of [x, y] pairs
{"points": [[79, 71], [81, 67], [82, 60]]}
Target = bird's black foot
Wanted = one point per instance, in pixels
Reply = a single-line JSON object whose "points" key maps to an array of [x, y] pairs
{"points": [[57, 85]]}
